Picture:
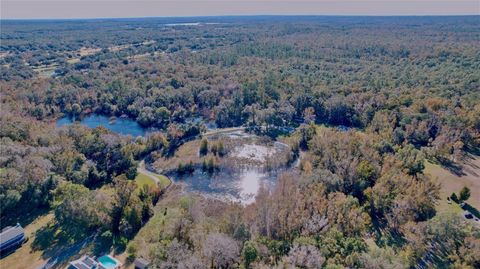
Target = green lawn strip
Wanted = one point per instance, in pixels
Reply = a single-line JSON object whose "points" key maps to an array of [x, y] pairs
{"points": [[164, 181], [143, 179]]}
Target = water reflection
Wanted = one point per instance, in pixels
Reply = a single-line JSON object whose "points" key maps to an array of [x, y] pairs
{"points": [[241, 185], [123, 126]]}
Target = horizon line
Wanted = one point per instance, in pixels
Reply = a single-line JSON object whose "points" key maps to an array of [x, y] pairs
{"points": [[238, 15]]}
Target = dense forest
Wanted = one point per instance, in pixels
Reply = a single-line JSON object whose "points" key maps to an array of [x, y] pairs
{"points": [[364, 103]]}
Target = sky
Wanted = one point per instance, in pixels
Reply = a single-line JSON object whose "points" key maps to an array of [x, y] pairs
{"points": [[69, 9]]}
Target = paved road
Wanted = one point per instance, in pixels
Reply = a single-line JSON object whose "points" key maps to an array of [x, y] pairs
{"points": [[224, 131]]}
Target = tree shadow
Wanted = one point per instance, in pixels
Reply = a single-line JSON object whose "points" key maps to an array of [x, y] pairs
{"points": [[383, 236], [5, 253], [24, 215], [52, 240], [49, 240], [473, 149], [101, 247], [472, 210], [451, 166], [470, 166]]}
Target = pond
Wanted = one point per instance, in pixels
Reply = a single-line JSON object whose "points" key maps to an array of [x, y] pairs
{"points": [[123, 126], [242, 172], [239, 186]]}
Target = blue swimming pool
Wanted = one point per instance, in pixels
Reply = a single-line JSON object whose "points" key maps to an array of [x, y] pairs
{"points": [[108, 262]]}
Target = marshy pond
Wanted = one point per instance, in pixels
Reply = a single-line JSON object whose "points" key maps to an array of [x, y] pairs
{"points": [[249, 164]]}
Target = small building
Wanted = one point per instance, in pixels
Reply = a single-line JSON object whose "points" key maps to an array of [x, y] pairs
{"points": [[12, 237], [85, 262], [141, 263]]}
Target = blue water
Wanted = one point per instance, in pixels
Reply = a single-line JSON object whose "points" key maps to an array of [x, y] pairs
{"points": [[107, 262], [121, 126]]}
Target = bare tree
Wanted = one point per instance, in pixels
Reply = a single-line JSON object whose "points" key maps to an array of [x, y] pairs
{"points": [[180, 256], [304, 256], [222, 250]]}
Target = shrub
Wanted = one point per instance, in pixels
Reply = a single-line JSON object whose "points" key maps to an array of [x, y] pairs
{"points": [[106, 238], [203, 147], [120, 242], [464, 194], [249, 253], [132, 249], [454, 197]]}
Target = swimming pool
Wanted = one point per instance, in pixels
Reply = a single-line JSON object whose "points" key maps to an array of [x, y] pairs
{"points": [[109, 262]]}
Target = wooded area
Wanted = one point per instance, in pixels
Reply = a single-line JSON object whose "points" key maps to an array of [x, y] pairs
{"points": [[365, 103]]}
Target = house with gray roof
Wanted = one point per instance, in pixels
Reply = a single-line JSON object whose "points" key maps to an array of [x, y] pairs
{"points": [[12, 237]]}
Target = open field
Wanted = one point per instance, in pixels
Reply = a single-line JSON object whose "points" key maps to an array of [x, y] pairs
{"points": [[453, 182], [45, 71], [26, 256], [143, 180]]}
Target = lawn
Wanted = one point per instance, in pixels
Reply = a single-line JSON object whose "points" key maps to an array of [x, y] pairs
{"points": [[451, 182], [26, 256], [164, 181], [143, 179]]}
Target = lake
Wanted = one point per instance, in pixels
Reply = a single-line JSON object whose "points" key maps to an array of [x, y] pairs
{"points": [[123, 126]]}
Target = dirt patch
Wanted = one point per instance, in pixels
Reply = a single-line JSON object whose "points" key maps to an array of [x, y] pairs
{"points": [[88, 51]]}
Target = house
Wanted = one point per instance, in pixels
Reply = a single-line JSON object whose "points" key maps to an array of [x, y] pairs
{"points": [[141, 263], [85, 262], [11, 237]]}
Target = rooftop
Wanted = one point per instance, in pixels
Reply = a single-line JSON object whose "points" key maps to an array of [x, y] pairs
{"points": [[10, 233], [85, 262]]}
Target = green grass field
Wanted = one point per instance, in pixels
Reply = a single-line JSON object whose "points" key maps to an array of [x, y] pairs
{"points": [[143, 179]]}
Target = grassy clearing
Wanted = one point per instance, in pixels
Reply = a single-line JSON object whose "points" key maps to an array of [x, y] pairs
{"points": [[454, 182], [143, 180], [26, 256], [164, 181], [73, 60], [189, 151], [186, 153], [45, 71]]}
